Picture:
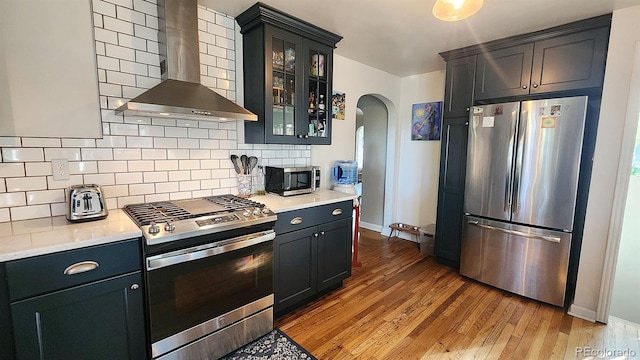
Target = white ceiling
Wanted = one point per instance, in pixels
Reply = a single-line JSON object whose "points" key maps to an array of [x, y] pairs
{"points": [[403, 38]]}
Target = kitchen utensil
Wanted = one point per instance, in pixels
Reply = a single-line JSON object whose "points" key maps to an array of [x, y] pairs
{"points": [[85, 202], [253, 161], [236, 164], [245, 163]]}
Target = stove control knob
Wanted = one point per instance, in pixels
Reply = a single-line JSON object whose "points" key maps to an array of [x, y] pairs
{"points": [[246, 213], [256, 211], [154, 228], [168, 226], [265, 210]]}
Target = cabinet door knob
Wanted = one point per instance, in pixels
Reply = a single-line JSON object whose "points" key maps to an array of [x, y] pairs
{"points": [[299, 136], [315, 235], [468, 109], [535, 86], [306, 136], [321, 232], [524, 87], [135, 287]]}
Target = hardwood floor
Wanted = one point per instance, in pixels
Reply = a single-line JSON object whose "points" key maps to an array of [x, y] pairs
{"points": [[403, 305]]}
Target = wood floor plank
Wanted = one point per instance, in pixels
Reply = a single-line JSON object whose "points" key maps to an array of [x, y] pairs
{"points": [[403, 305]]}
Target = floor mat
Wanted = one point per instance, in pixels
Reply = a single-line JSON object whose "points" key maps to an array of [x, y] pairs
{"points": [[275, 345]]}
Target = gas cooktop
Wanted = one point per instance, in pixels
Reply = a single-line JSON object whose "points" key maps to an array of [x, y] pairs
{"points": [[165, 221]]}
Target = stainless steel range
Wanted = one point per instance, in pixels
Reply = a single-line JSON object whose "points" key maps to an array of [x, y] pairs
{"points": [[209, 274]]}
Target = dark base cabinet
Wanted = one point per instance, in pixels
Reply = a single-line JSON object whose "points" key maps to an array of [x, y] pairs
{"points": [[314, 259], [79, 304], [101, 320]]}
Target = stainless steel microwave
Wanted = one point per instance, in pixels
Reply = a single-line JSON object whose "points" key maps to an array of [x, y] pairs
{"points": [[287, 181]]}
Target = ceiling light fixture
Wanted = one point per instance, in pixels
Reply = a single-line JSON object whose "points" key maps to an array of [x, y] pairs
{"points": [[454, 10]]}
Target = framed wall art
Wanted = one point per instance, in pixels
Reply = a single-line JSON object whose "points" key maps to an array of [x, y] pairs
{"points": [[425, 121]]}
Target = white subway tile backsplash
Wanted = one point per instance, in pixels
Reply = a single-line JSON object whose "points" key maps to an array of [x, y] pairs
{"points": [[22, 154], [156, 197], [141, 189], [12, 170], [26, 183], [9, 141], [166, 165], [220, 173], [209, 144], [199, 154], [154, 71], [163, 121], [131, 92], [115, 190], [155, 176], [103, 7], [139, 142], [134, 68], [225, 21], [166, 187], [218, 134], [210, 164], [151, 130], [225, 43], [215, 29], [120, 52], [110, 89], [228, 183], [200, 174], [127, 154], [30, 212], [82, 167], [179, 175], [105, 36], [120, 78], [154, 154], [187, 123], [188, 143], [112, 166], [124, 129], [177, 154], [5, 215], [38, 169], [197, 133], [108, 63], [79, 143], [71, 154], [189, 164], [141, 165], [210, 184], [145, 32], [201, 193], [208, 81], [124, 201], [117, 25], [209, 125], [175, 132], [189, 185], [145, 7], [58, 209], [165, 143], [228, 144], [138, 120], [126, 14], [129, 178], [112, 203], [146, 81], [100, 50], [45, 197], [109, 141], [61, 184], [151, 21], [40, 142], [96, 154], [12, 199]]}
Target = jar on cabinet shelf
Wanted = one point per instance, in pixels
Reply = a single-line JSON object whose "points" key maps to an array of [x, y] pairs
{"points": [[287, 77]]}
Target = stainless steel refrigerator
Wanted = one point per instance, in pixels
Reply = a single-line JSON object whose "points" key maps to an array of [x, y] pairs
{"points": [[523, 164]]}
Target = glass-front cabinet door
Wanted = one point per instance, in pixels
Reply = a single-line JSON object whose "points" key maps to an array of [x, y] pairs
{"points": [[317, 119], [283, 84]]}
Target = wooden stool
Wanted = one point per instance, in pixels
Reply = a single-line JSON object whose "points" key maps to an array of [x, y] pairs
{"points": [[406, 228]]}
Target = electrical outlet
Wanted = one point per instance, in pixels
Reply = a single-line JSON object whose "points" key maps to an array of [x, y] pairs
{"points": [[60, 169]]}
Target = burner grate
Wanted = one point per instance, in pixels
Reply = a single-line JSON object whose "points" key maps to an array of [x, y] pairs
{"points": [[163, 211]]}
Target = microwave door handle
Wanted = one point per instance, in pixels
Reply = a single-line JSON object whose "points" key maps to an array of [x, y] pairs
{"points": [[204, 251]]}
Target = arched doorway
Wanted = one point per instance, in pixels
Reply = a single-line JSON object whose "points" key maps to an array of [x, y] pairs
{"points": [[372, 123]]}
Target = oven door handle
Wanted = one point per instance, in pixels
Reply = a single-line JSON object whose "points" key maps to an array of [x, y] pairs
{"points": [[204, 251]]}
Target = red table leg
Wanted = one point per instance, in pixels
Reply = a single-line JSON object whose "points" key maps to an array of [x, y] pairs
{"points": [[356, 237]]}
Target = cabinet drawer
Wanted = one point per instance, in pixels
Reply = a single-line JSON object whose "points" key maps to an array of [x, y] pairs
{"points": [[303, 218], [46, 273]]}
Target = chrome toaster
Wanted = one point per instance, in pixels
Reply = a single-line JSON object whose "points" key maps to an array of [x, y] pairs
{"points": [[85, 203]]}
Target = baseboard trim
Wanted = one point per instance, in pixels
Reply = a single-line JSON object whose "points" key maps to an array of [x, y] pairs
{"points": [[627, 322], [369, 226], [582, 313]]}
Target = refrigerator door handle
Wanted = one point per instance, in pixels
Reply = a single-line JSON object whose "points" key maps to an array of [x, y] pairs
{"points": [[554, 239], [508, 185], [517, 173]]}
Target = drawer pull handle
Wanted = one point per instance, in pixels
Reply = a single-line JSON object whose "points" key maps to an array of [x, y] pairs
{"points": [[336, 212], [296, 221], [81, 267]]}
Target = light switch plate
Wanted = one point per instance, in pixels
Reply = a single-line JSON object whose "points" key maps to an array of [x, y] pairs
{"points": [[60, 169]]}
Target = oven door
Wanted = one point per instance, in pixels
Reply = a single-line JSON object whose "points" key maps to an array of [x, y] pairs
{"points": [[196, 291]]}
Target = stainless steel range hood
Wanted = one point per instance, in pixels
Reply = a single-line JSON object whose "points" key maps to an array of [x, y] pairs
{"points": [[180, 95]]}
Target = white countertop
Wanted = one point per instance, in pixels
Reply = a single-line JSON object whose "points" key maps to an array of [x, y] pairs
{"points": [[26, 238], [280, 204]]}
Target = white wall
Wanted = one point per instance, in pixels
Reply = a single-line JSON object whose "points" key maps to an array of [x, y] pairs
{"points": [[419, 160], [626, 292], [412, 166], [619, 68]]}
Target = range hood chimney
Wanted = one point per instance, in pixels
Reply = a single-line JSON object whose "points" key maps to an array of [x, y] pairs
{"points": [[180, 94]]}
